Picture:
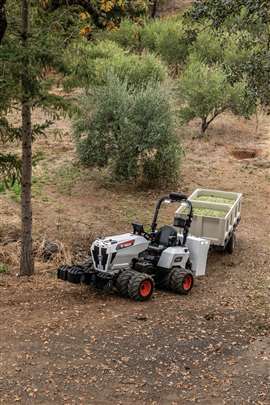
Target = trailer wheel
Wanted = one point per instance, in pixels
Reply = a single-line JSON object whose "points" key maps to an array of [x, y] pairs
{"points": [[140, 287], [231, 244], [122, 282], [181, 281]]}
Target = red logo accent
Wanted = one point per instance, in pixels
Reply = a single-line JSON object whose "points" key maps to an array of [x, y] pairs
{"points": [[125, 244]]}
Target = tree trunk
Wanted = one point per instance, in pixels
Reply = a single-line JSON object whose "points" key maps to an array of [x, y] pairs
{"points": [[204, 126], [3, 19], [154, 8], [27, 260]]}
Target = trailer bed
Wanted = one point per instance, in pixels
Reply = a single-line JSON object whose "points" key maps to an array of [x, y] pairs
{"points": [[216, 215]]}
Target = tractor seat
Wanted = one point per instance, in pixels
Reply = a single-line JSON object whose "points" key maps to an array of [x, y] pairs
{"points": [[166, 237]]}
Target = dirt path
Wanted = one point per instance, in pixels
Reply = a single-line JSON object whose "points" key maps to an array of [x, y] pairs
{"points": [[70, 345]]}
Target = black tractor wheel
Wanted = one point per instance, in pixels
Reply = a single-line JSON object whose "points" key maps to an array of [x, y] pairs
{"points": [[62, 272], [181, 281], [122, 282], [231, 244], [75, 274], [140, 287], [163, 282]]}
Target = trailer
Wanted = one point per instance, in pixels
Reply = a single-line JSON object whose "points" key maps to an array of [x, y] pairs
{"points": [[216, 215]]}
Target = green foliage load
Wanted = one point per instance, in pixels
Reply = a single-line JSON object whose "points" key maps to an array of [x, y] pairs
{"points": [[92, 64], [205, 212], [213, 198], [130, 131], [208, 212]]}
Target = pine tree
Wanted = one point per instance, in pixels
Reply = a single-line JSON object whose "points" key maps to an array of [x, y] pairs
{"points": [[32, 36], [27, 48], [27, 260]]}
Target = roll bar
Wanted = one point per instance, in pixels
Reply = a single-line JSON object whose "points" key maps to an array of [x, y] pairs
{"points": [[172, 197]]}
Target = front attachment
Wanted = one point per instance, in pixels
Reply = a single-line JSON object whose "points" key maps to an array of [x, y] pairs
{"points": [[76, 274]]}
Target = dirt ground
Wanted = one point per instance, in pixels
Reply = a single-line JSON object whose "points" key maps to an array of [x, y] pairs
{"points": [[68, 344], [172, 6]]}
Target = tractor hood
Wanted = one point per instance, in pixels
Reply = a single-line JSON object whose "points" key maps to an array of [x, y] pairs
{"points": [[119, 250]]}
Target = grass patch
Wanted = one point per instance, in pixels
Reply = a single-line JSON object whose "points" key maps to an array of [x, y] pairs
{"points": [[3, 268], [38, 157], [66, 178], [12, 189], [15, 192], [2, 188]]}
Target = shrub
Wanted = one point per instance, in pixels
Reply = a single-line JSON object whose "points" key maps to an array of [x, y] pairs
{"points": [[205, 93], [167, 38], [131, 131], [81, 58], [173, 44], [150, 34], [127, 35], [209, 47], [97, 62], [137, 70]]}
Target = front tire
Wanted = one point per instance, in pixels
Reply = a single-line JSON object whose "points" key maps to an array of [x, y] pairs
{"points": [[181, 281], [122, 282], [141, 287]]}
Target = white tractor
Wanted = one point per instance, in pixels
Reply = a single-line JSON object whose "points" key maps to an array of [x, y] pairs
{"points": [[133, 263]]}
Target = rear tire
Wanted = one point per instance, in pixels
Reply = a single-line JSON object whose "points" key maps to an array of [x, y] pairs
{"points": [[122, 282], [231, 244], [181, 281], [141, 287]]}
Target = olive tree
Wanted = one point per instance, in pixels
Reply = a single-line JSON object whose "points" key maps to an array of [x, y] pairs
{"points": [[129, 130], [205, 92]]}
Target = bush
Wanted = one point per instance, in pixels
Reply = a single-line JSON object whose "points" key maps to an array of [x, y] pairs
{"points": [[127, 35], [209, 47], [167, 38], [205, 93], [151, 33], [95, 63], [131, 131]]}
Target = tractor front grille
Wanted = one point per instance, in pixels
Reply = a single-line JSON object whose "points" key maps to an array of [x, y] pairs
{"points": [[104, 256], [95, 254]]}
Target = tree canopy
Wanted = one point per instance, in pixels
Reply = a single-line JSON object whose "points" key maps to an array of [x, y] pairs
{"points": [[246, 16]]}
